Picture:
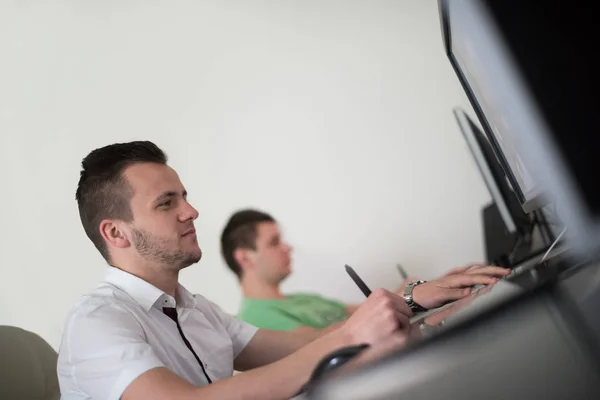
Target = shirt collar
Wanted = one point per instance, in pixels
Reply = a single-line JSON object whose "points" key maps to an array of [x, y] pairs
{"points": [[146, 294]]}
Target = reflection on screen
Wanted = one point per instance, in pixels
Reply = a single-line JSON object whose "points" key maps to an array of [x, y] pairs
{"points": [[481, 61]]}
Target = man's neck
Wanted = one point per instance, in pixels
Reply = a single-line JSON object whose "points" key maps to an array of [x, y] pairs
{"points": [[162, 278], [261, 290]]}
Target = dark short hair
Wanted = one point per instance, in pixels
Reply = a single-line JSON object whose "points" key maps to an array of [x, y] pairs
{"points": [[240, 232], [102, 191]]}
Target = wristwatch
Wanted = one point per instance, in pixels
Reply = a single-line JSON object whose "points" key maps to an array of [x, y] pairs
{"points": [[408, 297]]}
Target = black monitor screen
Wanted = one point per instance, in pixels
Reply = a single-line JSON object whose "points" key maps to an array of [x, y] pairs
{"points": [[530, 70], [515, 220], [493, 84]]}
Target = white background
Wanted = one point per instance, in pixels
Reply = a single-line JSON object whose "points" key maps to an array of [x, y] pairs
{"points": [[334, 116]]}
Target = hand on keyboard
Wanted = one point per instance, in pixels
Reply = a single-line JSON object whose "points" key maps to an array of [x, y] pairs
{"points": [[456, 284]]}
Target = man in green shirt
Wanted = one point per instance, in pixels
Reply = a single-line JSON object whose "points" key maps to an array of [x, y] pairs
{"points": [[255, 251], [292, 312]]}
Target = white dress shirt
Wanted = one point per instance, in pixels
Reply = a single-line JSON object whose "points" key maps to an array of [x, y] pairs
{"points": [[118, 331]]}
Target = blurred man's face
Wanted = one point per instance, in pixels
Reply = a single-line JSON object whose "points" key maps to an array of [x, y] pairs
{"points": [[272, 257]]}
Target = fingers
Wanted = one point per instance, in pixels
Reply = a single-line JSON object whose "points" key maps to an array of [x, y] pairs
{"points": [[456, 294], [471, 268], [400, 304], [476, 265], [489, 270], [460, 270], [382, 315], [464, 280], [403, 322], [403, 312], [393, 302]]}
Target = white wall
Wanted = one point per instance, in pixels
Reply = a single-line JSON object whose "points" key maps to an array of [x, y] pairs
{"points": [[335, 116]]}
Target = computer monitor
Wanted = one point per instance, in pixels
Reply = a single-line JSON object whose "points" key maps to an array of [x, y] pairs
{"points": [[515, 219], [488, 74], [530, 71]]}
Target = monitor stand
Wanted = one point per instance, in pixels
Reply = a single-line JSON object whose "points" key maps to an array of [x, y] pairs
{"points": [[507, 249], [499, 243]]}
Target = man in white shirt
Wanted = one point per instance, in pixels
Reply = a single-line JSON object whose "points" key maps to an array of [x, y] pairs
{"points": [[141, 335]]}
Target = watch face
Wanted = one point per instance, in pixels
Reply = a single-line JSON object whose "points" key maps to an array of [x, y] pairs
{"points": [[409, 287]]}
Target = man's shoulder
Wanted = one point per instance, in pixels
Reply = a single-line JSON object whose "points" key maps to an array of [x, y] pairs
{"points": [[289, 300], [105, 300], [251, 307], [315, 299], [268, 314], [306, 296], [303, 294]]}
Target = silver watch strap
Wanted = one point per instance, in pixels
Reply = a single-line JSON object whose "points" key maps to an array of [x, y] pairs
{"points": [[408, 296]]}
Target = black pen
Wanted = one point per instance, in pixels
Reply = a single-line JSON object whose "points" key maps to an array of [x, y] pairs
{"points": [[359, 282]]}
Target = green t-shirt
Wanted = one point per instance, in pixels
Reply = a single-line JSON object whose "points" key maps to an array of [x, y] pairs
{"points": [[293, 311]]}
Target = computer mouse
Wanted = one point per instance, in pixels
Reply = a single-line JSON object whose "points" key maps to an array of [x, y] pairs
{"points": [[330, 362], [336, 359]]}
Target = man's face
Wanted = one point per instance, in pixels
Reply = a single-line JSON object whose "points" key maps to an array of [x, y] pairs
{"points": [[162, 230], [272, 258]]}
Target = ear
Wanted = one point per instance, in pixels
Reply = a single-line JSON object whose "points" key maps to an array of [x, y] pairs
{"points": [[244, 258], [114, 234]]}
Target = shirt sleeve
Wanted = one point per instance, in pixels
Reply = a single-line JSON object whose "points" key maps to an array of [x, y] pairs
{"points": [[103, 350], [240, 332]]}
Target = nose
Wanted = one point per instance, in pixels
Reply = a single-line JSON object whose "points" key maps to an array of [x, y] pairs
{"points": [[188, 212], [288, 248]]}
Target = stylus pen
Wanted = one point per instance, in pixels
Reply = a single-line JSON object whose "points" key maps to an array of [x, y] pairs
{"points": [[402, 271], [359, 282]]}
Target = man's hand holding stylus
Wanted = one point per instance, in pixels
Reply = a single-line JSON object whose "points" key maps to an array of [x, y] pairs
{"points": [[382, 315]]}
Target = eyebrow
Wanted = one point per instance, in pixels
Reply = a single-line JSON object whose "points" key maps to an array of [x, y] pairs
{"points": [[168, 195]]}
